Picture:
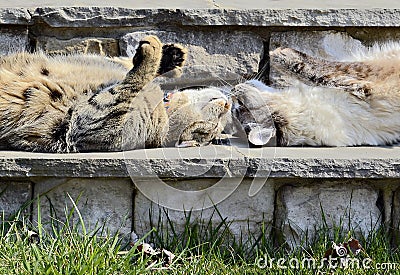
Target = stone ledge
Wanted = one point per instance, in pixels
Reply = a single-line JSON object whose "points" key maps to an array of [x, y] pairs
{"points": [[119, 17], [15, 16], [210, 162]]}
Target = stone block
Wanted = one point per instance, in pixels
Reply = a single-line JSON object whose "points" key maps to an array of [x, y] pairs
{"points": [[211, 55], [396, 214], [244, 215], [301, 210], [13, 196], [100, 202], [329, 45], [269, 17], [15, 16], [13, 40], [102, 46]]}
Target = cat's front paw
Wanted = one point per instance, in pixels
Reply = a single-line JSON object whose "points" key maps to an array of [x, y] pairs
{"points": [[172, 60], [150, 48]]}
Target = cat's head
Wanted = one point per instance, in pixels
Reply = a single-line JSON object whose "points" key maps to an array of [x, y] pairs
{"points": [[250, 111], [197, 115]]}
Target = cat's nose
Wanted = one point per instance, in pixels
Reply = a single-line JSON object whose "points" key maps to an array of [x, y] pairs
{"points": [[227, 106]]}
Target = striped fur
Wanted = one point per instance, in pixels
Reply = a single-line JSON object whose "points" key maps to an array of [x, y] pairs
{"points": [[80, 103]]}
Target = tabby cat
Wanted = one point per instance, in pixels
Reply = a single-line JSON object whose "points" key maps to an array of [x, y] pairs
{"points": [[333, 104], [78, 103]]}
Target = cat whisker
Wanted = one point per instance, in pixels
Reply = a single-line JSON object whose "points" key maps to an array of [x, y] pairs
{"points": [[224, 82], [261, 72]]}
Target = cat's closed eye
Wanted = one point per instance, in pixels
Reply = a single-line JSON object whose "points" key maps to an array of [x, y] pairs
{"points": [[214, 98]]}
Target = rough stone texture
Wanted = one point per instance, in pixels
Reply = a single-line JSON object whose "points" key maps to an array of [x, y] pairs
{"points": [[348, 205], [13, 196], [203, 4], [13, 40], [396, 213], [243, 214], [102, 46], [210, 161], [207, 59], [289, 4], [15, 16], [100, 201], [112, 16], [329, 45]]}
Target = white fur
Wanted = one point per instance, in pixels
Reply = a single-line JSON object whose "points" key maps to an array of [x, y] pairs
{"points": [[331, 117], [341, 47], [388, 51]]}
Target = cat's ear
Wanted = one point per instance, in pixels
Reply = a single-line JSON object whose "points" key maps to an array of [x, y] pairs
{"points": [[260, 135]]}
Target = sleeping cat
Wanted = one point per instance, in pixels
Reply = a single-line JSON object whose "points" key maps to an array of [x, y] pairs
{"points": [[83, 103], [333, 104]]}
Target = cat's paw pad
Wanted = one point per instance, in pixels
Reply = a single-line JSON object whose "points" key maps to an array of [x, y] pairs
{"points": [[173, 59]]}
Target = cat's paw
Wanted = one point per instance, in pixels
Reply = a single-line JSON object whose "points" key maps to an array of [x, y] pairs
{"points": [[172, 60], [150, 48], [286, 57], [191, 143]]}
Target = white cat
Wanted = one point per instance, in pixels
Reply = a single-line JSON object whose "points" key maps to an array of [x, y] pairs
{"points": [[332, 103]]}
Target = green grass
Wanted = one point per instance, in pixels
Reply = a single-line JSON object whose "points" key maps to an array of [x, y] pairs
{"points": [[70, 248]]}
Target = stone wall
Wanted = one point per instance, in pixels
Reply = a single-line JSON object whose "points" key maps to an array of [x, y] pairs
{"points": [[290, 191]]}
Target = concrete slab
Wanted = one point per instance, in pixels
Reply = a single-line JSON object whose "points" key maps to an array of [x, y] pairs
{"points": [[241, 213], [225, 4], [304, 209], [210, 161], [14, 194], [101, 202], [114, 16]]}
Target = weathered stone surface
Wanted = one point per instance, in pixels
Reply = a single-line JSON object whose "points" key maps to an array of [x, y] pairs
{"points": [[138, 4], [112, 16], [210, 161], [13, 40], [203, 4], [396, 212], [100, 201], [240, 212], [15, 16], [13, 195], [329, 45], [289, 4], [207, 59], [102, 46], [303, 209]]}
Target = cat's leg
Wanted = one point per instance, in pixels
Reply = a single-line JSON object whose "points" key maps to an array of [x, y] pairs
{"points": [[146, 62], [349, 76], [152, 59]]}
